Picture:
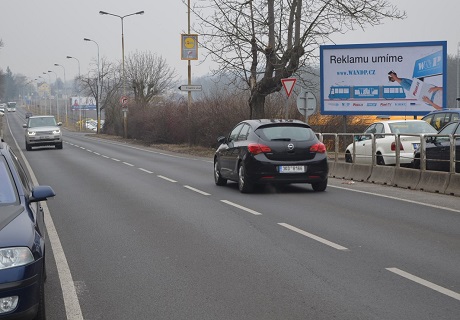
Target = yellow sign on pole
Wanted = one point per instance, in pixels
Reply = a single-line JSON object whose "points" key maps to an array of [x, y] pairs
{"points": [[189, 47]]}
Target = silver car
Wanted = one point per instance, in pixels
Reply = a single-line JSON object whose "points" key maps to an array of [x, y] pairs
{"points": [[43, 131]]}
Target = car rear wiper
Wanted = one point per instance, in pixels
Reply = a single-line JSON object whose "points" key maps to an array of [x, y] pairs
{"points": [[281, 139]]}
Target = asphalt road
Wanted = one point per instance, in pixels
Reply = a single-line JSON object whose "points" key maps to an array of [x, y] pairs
{"points": [[140, 233]]}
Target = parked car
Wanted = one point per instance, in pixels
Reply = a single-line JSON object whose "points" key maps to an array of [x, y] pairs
{"points": [[385, 142], [22, 241], [42, 131], [271, 152], [438, 149], [439, 118]]}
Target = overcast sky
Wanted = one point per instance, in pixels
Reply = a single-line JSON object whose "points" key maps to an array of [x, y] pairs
{"points": [[38, 34]]}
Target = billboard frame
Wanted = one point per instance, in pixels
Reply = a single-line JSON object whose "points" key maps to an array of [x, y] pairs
{"points": [[349, 104]]}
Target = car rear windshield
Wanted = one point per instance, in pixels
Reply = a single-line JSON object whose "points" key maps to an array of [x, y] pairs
{"points": [[411, 127], [7, 193], [42, 122], [285, 133]]}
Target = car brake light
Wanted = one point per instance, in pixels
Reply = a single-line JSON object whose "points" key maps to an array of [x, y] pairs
{"points": [[256, 148], [318, 148], [393, 146]]}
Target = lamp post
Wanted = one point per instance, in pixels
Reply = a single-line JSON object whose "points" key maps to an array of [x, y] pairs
{"points": [[49, 95], [79, 79], [97, 87], [57, 96], [125, 121], [65, 91]]}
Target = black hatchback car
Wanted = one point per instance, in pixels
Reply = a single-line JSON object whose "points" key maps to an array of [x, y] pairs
{"points": [[22, 241], [437, 149], [267, 151]]}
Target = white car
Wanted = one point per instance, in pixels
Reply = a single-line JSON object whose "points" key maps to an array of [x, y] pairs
{"points": [[385, 142]]}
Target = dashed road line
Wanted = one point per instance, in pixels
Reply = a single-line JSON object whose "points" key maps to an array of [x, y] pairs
{"points": [[425, 283], [241, 207], [145, 170], [198, 191], [128, 164], [314, 237], [166, 178]]}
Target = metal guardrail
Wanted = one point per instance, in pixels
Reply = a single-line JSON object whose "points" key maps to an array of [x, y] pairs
{"points": [[336, 144]]}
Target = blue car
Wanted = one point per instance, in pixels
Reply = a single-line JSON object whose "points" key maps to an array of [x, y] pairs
{"points": [[22, 241]]}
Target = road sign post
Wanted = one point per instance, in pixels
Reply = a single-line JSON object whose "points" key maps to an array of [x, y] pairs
{"points": [[288, 84], [306, 104]]}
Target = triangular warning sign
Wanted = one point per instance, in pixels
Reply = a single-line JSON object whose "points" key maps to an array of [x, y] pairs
{"points": [[288, 85]]}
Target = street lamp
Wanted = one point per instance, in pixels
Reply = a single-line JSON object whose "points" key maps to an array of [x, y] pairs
{"points": [[57, 96], [49, 96], [123, 57], [79, 79], [65, 91], [97, 87]]}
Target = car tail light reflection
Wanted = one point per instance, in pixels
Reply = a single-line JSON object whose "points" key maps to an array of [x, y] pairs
{"points": [[393, 146], [256, 148], [318, 148]]}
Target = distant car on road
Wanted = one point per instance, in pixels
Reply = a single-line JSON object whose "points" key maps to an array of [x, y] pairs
{"points": [[438, 150], [11, 106], [42, 131], [385, 145], [22, 241], [28, 115], [269, 151]]}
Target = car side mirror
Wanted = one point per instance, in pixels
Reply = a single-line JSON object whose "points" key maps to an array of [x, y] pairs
{"points": [[59, 124], [24, 125], [222, 139]]}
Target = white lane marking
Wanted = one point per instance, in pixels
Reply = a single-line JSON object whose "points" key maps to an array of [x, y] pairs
{"points": [[128, 164], [97, 153], [166, 178], [114, 159], [82, 148], [105, 157], [242, 208], [145, 170], [199, 191], [425, 283], [396, 198], [69, 293], [89, 150], [314, 237]]}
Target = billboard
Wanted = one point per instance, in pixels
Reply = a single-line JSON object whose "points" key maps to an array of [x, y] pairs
{"points": [[383, 79], [83, 103]]}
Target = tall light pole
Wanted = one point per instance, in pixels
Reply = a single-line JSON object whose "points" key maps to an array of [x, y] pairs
{"points": [[125, 121], [98, 114], [65, 91], [49, 96], [57, 96], [458, 75], [79, 79]]}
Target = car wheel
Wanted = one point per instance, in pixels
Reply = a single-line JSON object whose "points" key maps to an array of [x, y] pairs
{"points": [[28, 147], [348, 157], [217, 177], [380, 160], [59, 146], [243, 184], [41, 314], [319, 186]]}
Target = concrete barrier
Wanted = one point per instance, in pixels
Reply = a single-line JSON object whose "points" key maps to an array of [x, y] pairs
{"points": [[382, 175], [433, 181], [341, 170], [453, 188], [360, 172], [406, 178]]}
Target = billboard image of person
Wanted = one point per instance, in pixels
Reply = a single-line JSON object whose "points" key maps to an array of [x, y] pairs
{"points": [[389, 78]]}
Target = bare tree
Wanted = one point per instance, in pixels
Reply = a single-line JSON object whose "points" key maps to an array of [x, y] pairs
{"points": [[264, 41], [149, 76]]}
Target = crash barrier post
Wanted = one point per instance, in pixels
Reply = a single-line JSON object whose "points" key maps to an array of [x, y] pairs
{"points": [[453, 188], [382, 175], [433, 181]]}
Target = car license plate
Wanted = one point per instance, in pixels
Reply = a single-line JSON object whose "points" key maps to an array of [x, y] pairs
{"points": [[45, 137], [416, 145], [291, 169]]}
